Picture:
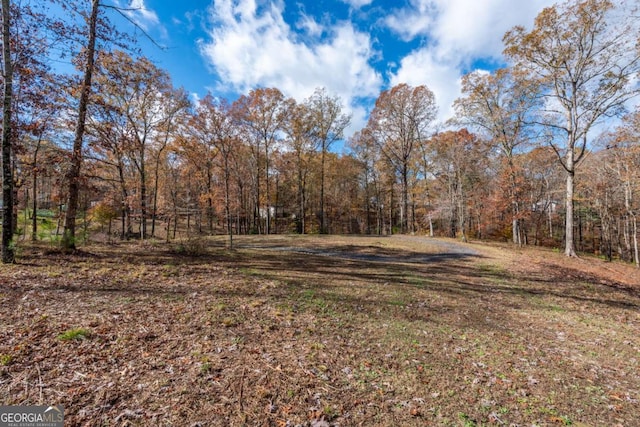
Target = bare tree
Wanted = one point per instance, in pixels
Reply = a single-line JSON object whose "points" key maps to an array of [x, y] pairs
{"points": [[73, 175], [500, 105], [298, 127], [261, 113], [400, 121], [329, 123], [585, 57]]}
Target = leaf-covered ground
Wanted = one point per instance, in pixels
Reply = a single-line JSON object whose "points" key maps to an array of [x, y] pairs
{"points": [[321, 331]]}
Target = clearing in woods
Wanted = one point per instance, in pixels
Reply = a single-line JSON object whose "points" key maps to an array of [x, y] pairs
{"points": [[320, 331]]}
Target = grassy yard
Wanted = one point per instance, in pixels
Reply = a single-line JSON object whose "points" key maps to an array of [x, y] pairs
{"points": [[321, 331]]}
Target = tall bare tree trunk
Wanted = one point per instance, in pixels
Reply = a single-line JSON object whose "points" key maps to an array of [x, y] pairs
{"points": [[515, 208], [404, 217], [323, 215], [34, 181], [143, 196], [8, 255], [569, 250], [301, 196], [636, 252], [267, 190], [227, 199], [461, 209], [634, 222], [34, 208], [154, 208], [73, 175]]}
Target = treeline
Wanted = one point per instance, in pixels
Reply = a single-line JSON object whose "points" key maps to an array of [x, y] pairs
{"points": [[522, 161]]}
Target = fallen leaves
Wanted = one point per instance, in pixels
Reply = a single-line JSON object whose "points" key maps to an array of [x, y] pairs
{"points": [[343, 342]]}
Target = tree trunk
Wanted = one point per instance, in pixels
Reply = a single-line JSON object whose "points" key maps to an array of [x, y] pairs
{"points": [[404, 217], [515, 210], [34, 207], [569, 250], [636, 252], [430, 226], [634, 223], [8, 255], [515, 227], [267, 189], [462, 222], [73, 175], [367, 204], [227, 200], [143, 200], [209, 199], [323, 220], [301, 224], [154, 208], [34, 181]]}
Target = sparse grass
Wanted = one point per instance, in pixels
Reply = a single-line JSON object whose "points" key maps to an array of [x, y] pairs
{"points": [[206, 368], [5, 359], [76, 334]]}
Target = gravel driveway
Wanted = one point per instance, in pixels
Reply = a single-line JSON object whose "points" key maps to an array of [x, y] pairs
{"points": [[447, 250]]}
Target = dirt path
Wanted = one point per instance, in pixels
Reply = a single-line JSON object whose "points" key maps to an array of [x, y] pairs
{"points": [[433, 250]]}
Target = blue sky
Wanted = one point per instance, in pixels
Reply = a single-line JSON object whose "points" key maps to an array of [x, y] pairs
{"points": [[354, 48]]}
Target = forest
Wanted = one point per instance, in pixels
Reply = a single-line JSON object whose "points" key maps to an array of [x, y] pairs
{"points": [[116, 151]]}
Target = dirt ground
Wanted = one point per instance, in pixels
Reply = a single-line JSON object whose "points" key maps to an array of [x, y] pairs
{"points": [[321, 331]]}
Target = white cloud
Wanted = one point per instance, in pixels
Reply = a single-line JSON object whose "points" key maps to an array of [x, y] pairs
{"points": [[310, 26], [416, 19], [456, 33], [142, 16], [251, 47], [477, 27], [356, 4], [422, 68]]}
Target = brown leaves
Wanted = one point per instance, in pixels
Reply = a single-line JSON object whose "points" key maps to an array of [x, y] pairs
{"points": [[328, 343]]}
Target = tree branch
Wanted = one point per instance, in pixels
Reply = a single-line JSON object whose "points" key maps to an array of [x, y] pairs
{"points": [[121, 11]]}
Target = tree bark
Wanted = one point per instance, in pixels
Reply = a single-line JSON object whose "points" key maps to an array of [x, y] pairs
{"points": [[267, 188], [154, 208], [34, 180], [569, 249], [404, 217], [636, 252], [227, 197], [301, 201], [8, 255], [73, 175], [323, 216], [143, 197]]}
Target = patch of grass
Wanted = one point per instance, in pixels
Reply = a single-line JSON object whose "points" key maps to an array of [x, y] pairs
{"points": [[251, 272], [398, 302], [467, 420], [170, 270], [76, 334], [556, 308], [205, 368], [5, 359], [417, 280], [191, 247], [231, 321], [491, 268], [308, 294]]}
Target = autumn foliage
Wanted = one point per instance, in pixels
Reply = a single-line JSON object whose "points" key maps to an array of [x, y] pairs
{"points": [[520, 162]]}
